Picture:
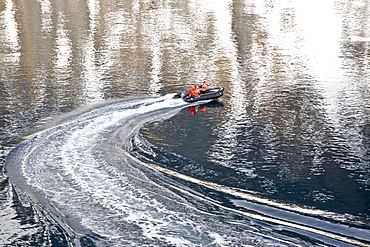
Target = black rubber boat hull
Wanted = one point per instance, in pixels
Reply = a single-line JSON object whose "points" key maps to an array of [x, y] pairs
{"points": [[213, 93]]}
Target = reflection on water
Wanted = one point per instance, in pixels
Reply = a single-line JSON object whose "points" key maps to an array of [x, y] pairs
{"points": [[194, 109], [9, 35], [295, 125]]}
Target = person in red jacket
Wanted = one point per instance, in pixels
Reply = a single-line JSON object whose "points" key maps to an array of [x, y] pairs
{"points": [[194, 91], [204, 87]]}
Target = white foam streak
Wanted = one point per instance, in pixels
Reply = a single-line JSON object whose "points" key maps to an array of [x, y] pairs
{"points": [[62, 163], [264, 201]]}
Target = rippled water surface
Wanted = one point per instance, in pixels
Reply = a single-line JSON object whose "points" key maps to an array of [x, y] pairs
{"points": [[95, 151]]}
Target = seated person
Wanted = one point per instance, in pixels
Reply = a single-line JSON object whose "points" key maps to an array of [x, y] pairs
{"points": [[194, 91]]}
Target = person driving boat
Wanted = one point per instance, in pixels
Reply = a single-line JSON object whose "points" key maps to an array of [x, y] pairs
{"points": [[204, 87]]}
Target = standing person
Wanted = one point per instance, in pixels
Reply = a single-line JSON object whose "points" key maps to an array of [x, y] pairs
{"points": [[204, 87]]}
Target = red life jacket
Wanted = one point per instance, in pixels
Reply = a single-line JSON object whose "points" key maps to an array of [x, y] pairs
{"points": [[194, 91], [204, 87]]}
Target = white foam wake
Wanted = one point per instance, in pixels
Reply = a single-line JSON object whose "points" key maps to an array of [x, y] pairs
{"points": [[76, 170]]}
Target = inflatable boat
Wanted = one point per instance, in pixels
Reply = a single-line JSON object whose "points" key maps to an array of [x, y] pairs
{"points": [[212, 93]]}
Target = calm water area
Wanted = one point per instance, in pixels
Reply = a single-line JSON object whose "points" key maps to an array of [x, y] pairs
{"points": [[94, 151]]}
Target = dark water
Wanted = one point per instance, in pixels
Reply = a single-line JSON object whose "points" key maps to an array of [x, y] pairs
{"points": [[94, 150]]}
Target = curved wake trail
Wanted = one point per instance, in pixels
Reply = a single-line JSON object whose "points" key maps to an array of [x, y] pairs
{"points": [[270, 212], [76, 173], [81, 174], [327, 227]]}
